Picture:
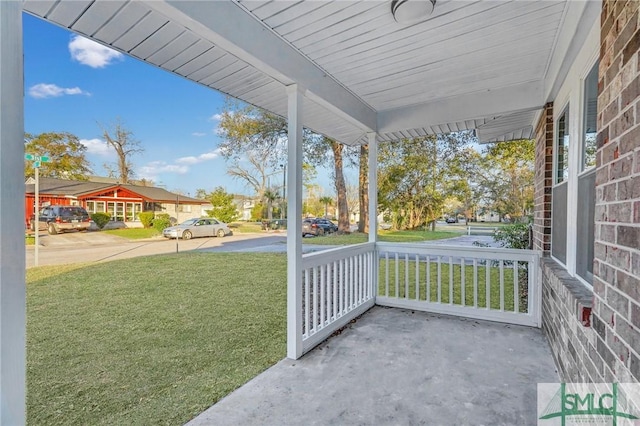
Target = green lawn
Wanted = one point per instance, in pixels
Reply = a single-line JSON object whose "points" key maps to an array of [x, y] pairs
{"points": [[133, 233], [245, 227], [152, 340], [387, 236]]}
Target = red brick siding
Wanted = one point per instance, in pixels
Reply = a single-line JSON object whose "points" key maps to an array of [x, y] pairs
{"points": [[543, 182]]}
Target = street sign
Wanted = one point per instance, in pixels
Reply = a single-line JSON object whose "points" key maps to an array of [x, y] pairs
{"points": [[37, 159]]}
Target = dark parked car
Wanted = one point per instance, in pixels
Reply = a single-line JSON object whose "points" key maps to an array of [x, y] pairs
{"points": [[452, 220], [316, 226], [56, 219]]}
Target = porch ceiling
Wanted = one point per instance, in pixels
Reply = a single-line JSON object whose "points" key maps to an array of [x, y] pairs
{"points": [[488, 65]]}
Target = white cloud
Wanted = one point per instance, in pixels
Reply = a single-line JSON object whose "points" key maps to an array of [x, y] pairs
{"points": [[93, 54], [207, 156], [155, 168], [198, 134], [45, 90], [215, 117], [97, 147]]}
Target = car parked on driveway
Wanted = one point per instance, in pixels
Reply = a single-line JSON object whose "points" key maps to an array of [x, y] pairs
{"points": [[198, 227], [56, 219], [318, 227]]}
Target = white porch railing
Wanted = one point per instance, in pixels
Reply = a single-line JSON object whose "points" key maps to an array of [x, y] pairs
{"points": [[483, 283], [337, 286]]}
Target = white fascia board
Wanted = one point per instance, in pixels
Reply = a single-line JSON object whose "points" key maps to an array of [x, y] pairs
{"points": [[492, 103], [230, 27], [578, 22]]}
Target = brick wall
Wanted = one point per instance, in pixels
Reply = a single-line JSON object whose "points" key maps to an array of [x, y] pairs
{"points": [[595, 334], [616, 286], [543, 182]]}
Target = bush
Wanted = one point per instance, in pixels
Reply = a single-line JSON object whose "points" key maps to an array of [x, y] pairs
{"points": [[101, 219], [146, 218], [514, 236], [161, 221]]}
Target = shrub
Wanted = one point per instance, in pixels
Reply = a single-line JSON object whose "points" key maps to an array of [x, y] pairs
{"points": [[146, 218], [514, 236], [161, 221], [101, 219]]}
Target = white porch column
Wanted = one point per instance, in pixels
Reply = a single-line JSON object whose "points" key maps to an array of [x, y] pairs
{"points": [[373, 188], [12, 222], [294, 224]]}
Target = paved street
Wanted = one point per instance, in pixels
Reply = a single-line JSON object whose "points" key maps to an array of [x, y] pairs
{"points": [[78, 247]]}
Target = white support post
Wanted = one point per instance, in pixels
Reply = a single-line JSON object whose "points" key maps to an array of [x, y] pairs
{"points": [[294, 224], [12, 222], [373, 210], [373, 187]]}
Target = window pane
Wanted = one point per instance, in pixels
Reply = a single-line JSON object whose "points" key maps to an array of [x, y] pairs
{"points": [[559, 223], [590, 119], [586, 225], [562, 148]]}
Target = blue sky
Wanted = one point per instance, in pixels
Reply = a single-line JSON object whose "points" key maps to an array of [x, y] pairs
{"points": [[73, 84]]}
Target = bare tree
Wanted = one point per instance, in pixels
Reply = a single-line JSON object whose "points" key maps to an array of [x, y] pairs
{"points": [[122, 141]]}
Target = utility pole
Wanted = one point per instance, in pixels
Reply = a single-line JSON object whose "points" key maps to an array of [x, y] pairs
{"points": [[37, 161]]}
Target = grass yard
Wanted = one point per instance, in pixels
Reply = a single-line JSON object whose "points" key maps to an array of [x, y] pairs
{"points": [[245, 227], [133, 233], [153, 340], [387, 236]]}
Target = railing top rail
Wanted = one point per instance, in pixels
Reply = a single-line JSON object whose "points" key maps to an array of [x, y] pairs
{"points": [[338, 253], [491, 253]]}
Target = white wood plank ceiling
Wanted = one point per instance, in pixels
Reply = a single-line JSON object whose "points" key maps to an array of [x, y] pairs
{"points": [[487, 65]]}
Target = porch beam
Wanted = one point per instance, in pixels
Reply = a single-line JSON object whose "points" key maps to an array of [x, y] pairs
{"points": [[501, 101], [294, 223], [228, 25], [373, 187], [12, 225]]}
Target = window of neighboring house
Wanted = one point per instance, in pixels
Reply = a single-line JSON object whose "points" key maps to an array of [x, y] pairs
{"points": [[100, 207], [559, 191], [111, 209], [184, 208], [587, 179], [91, 206]]}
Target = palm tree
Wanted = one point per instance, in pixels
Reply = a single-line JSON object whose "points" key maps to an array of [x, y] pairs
{"points": [[327, 201], [270, 196]]}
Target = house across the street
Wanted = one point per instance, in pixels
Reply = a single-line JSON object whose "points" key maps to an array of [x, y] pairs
{"points": [[122, 201]]}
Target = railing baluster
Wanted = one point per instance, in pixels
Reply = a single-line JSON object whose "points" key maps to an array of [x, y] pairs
{"points": [[315, 299], [487, 283], [386, 272], [451, 280], [439, 280], [463, 282], [342, 287], [501, 263], [307, 298], [323, 283], [516, 291], [475, 283], [335, 290], [428, 287], [352, 285], [406, 276], [417, 277], [397, 294]]}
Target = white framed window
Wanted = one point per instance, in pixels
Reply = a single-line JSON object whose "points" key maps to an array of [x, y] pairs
{"points": [[559, 192], [586, 199]]}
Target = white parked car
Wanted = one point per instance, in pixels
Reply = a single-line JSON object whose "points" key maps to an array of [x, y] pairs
{"points": [[198, 227]]}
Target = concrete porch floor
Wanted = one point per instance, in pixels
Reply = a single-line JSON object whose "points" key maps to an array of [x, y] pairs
{"points": [[400, 367]]}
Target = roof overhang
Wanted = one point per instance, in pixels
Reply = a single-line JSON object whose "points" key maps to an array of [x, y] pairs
{"points": [[472, 65]]}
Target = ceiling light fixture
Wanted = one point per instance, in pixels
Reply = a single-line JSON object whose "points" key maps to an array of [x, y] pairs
{"points": [[411, 11]]}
